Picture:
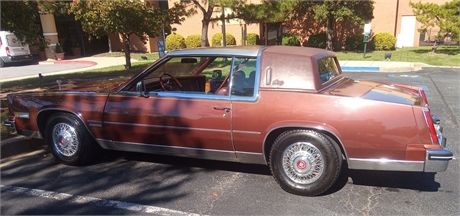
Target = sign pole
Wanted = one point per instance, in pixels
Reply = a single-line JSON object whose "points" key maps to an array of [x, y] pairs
{"points": [[365, 48], [367, 31]]}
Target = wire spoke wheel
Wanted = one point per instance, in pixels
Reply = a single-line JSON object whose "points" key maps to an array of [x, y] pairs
{"points": [[69, 140], [303, 162], [65, 139]]}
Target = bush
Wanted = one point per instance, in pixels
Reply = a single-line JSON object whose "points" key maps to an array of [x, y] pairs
{"points": [[252, 38], [218, 37], [354, 42], [193, 41], [58, 48], [175, 41], [290, 40], [318, 40], [384, 41]]}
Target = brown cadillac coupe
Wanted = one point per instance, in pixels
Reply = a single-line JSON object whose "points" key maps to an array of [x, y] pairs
{"points": [[287, 107]]}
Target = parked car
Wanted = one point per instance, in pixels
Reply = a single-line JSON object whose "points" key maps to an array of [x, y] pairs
{"points": [[287, 107], [12, 49]]}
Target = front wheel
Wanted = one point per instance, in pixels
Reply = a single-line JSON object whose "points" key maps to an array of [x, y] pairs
{"points": [[304, 162], [69, 140]]}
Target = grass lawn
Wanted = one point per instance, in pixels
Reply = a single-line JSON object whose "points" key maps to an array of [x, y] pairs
{"points": [[444, 55]]}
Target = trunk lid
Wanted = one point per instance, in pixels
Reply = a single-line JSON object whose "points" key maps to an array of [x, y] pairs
{"points": [[378, 91]]}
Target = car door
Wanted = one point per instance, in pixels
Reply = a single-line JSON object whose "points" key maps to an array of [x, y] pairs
{"points": [[191, 123]]}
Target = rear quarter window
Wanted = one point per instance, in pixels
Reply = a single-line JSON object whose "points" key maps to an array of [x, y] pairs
{"points": [[327, 69]]}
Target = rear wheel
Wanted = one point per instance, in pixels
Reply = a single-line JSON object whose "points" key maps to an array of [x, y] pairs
{"points": [[69, 140], [304, 162], [2, 63]]}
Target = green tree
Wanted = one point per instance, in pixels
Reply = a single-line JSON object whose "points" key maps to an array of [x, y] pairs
{"points": [[446, 17], [19, 17], [134, 17], [326, 12], [207, 8], [329, 12]]}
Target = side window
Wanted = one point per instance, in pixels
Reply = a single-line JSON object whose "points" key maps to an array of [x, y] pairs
{"points": [[202, 75], [217, 72], [243, 77], [327, 69]]}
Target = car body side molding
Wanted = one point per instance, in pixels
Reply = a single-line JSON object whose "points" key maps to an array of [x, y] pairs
{"points": [[209, 154]]}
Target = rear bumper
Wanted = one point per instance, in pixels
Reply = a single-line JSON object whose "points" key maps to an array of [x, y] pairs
{"points": [[11, 125], [437, 160], [17, 58]]}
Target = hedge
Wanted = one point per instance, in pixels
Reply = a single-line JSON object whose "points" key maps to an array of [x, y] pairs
{"points": [[290, 40], [354, 42], [384, 41], [252, 38], [175, 41], [216, 38], [193, 41], [317, 40]]}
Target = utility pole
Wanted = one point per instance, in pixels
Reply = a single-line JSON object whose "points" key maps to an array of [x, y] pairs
{"points": [[224, 35]]}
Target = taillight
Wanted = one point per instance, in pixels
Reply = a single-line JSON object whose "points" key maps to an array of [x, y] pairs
{"points": [[422, 93], [7, 49], [429, 122]]}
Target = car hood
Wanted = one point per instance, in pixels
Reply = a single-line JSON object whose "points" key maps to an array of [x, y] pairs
{"points": [[90, 86], [378, 91]]}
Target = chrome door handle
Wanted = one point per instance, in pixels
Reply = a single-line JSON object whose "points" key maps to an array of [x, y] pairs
{"points": [[222, 108]]}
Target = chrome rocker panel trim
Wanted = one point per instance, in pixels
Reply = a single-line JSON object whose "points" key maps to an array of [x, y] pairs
{"points": [[436, 160], [385, 165], [209, 154]]}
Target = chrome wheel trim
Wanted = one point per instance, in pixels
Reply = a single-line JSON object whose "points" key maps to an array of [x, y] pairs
{"points": [[65, 139], [303, 162]]}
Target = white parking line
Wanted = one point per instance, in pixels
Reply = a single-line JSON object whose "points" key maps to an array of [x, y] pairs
{"points": [[92, 201]]}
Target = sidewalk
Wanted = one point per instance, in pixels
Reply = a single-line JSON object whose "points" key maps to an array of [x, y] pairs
{"points": [[381, 66], [94, 62]]}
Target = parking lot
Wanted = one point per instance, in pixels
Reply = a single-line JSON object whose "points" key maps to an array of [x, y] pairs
{"points": [[132, 183]]}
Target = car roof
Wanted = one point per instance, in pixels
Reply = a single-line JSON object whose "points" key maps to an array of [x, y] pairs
{"points": [[249, 51]]}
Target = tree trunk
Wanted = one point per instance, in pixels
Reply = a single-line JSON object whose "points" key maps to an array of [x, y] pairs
{"points": [[127, 52], [204, 33], [329, 31]]}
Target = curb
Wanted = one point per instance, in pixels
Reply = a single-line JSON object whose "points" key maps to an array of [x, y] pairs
{"points": [[20, 144], [89, 63], [360, 69]]}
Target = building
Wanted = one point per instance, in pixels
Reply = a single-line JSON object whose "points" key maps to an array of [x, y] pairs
{"points": [[397, 18], [393, 16]]}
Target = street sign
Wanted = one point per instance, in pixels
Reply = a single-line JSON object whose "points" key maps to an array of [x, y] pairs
{"points": [[161, 48], [367, 28]]}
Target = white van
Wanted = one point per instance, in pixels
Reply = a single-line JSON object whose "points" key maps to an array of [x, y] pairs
{"points": [[12, 49]]}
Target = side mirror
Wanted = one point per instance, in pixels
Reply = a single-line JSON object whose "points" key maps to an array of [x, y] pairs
{"points": [[140, 87]]}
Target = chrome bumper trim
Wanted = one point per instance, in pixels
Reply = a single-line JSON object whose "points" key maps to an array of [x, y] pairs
{"points": [[437, 160], [10, 124]]}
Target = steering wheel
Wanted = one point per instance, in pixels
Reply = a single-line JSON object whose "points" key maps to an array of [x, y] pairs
{"points": [[170, 86]]}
